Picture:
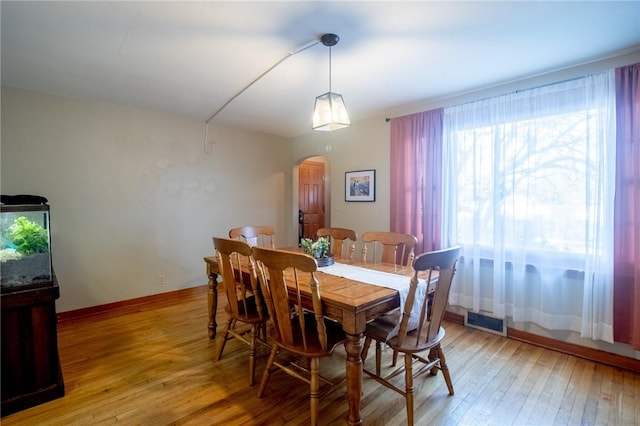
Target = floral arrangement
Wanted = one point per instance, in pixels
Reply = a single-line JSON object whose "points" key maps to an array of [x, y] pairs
{"points": [[317, 249]]}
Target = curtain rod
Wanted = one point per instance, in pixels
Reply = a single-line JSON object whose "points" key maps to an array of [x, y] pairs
{"points": [[515, 91]]}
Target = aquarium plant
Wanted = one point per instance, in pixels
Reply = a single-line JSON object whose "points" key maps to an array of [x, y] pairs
{"points": [[28, 237]]}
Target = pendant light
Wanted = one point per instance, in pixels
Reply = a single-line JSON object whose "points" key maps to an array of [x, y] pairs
{"points": [[329, 112]]}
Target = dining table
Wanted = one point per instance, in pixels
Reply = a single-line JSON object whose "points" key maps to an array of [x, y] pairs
{"points": [[345, 299]]}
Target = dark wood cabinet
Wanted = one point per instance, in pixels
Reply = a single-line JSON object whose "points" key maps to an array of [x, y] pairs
{"points": [[31, 372]]}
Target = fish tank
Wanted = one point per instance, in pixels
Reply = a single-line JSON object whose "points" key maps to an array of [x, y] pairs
{"points": [[25, 246]]}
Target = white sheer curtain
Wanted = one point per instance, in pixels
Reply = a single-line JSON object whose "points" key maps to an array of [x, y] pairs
{"points": [[528, 184]]}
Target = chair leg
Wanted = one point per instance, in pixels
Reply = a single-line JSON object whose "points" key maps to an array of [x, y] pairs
{"points": [[252, 353], [408, 377], [263, 331], [445, 370], [365, 348], [315, 389], [225, 337], [378, 356], [433, 355], [267, 371], [394, 359]]}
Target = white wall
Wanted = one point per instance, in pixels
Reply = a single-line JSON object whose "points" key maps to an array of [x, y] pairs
{"points": [[132, 193]]}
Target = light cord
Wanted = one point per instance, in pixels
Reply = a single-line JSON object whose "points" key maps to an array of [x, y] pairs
{"points": [[329, 70], [302, 48]]}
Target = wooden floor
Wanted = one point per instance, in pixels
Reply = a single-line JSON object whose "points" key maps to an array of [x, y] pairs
{"points": [[154, 365]]}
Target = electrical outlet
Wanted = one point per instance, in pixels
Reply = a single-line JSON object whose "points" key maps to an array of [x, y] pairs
{"points": [[161, 279]]}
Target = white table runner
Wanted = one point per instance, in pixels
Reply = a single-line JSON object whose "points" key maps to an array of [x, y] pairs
{"points": [[383, 279]]}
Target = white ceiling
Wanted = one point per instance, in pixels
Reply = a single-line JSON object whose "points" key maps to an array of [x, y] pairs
{"points": [[192, 57]]}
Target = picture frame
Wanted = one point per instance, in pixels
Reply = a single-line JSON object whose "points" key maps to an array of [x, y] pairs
{"points": [[360, 185]]}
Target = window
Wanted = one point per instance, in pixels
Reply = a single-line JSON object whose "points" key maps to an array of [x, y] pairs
{"points": [[530, 177], [528, 185]]}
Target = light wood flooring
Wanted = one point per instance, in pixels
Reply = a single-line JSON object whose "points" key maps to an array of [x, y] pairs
{"points": [[154, 365]]}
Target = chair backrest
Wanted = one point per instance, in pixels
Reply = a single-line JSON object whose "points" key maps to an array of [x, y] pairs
{"points": [[275, 269], [342, 241], [263, 236], [444, 263], [388, 247], [239, 278]]}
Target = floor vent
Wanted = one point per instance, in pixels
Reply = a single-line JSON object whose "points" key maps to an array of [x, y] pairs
{"points": [[486, 323]]}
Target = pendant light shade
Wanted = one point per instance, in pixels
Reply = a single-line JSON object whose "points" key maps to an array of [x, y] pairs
{"points": [[329, 112]]}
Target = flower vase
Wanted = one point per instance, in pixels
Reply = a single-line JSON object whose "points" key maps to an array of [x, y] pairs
{"points": [[325, 260]]}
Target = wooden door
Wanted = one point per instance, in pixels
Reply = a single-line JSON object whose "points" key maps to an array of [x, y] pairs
{"points": [[311, 197]]}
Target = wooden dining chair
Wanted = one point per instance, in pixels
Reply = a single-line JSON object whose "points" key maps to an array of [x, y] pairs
{"points": [[245, 302], [296, 330], [342, 241], [388, 247], [423, 343], [263, 236]]}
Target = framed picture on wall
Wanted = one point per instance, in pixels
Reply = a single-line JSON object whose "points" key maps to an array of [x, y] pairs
{"points": [[360, 185]]}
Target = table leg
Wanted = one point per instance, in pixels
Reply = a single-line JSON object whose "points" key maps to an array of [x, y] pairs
{"points": [[212, 297], [354, 377]]}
